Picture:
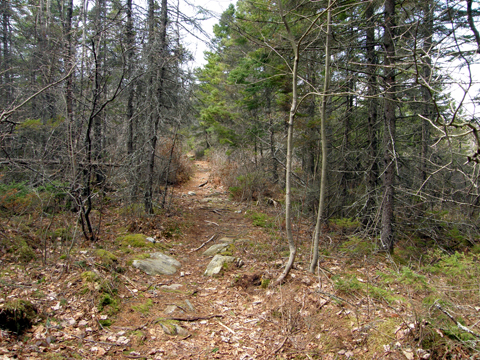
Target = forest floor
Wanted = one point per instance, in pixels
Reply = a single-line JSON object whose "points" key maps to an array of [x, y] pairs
{"points": [[92, 303]]}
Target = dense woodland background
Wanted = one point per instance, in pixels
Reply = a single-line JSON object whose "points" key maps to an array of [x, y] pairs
{"points": [[336, 111]]}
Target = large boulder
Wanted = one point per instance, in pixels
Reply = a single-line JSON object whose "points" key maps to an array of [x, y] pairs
{"points": [[157, 264]]}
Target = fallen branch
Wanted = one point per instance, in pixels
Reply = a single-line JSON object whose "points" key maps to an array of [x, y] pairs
{"points": [[191, 318], [205, 243], [335, 297], [211, 222], [226, 327], [281, 346], [460, 326], [203, 184]]}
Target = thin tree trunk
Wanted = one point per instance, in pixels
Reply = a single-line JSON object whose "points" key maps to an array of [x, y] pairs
{"points": [[131, 90], [6, 41], [323, 174], [288, 177], [372, 146], [426, 96], [387, 236]]}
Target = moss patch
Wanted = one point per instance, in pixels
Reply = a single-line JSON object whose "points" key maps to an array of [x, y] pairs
{"points": [[143, 308], [106, 257], [134, 240], [89, 276]]}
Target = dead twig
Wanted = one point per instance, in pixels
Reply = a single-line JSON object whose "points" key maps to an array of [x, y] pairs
{"points": [[211, 222], [205, 243], [226, 327], [335, 297], [281, 346], [191, 318]]}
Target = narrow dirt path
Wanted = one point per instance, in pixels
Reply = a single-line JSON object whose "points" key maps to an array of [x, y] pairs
{"points": [[93, 304], [224, 317]]}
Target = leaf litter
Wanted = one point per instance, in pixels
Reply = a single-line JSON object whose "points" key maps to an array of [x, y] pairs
{"points": [[89, 308]]}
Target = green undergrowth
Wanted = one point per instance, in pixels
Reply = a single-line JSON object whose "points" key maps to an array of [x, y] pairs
{"points": [[143, 308], [260, 219], [20, 198], [439, 289]]}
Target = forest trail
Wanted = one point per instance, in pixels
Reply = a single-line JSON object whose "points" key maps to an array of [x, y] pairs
{"points": [[95, 304]]}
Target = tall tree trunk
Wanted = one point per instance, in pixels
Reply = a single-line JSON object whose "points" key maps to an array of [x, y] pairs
{"points": [[131, 91], [387, 236], [6, 42], [372, 146], [158, 94], [98, 121], [323, 174], [288, 176], [426, 96], [71, 128]]}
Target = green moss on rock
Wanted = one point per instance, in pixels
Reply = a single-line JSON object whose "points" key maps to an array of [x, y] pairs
{"points": [[134, 240], [106, 257]]}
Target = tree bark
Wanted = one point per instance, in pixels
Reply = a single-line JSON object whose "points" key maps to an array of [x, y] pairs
{"points": [[323, 174], [387, 236], [426, 95], [158, 94], [131, 91], [288, 176], [372, 146]]}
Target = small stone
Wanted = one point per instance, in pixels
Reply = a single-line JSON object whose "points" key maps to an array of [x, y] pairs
{"points": [[172, 287], [189, 304], [122, 340], [170, 309], [169, 330], [180, 330], [191, 193], [151, 239]]}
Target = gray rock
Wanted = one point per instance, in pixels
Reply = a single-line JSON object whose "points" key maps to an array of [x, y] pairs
{"points": [[157, 264], [170, 309], [227, 240], [173, 329], [168, 329], [180, 330], [172, 287], [216, 265], [189, 304], [215, 249], [169, 260]]}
